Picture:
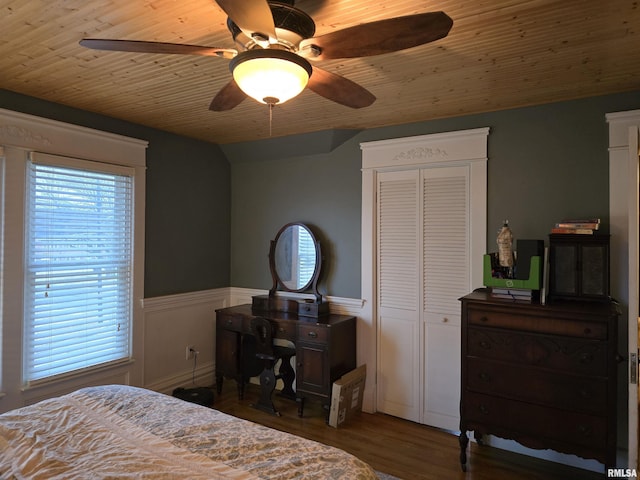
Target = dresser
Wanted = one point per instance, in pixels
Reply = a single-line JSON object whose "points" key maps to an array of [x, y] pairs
{"points": [[543, 375], [325, 349]]}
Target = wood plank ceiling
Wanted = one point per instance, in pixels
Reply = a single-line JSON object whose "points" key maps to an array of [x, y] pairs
{"points": [[499, 54]]}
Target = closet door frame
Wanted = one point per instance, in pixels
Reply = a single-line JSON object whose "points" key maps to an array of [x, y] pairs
{"points": [[466, 147]]}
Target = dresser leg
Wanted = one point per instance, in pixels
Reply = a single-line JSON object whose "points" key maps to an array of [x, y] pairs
{"points": [[300, 402], [464, 442]]}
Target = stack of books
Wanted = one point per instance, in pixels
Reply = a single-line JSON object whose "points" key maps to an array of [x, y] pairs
{"points": [[523, 295], [577, 226]]}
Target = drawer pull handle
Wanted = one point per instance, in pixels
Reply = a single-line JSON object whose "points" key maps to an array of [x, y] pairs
{"points": [[483, 409], [313, 334], [445, 320], [584, 393], [282, 330], [586, 358], [229, 322], [585, 430], [484, 344], [485, 377], [484, 319], [587, 331]]}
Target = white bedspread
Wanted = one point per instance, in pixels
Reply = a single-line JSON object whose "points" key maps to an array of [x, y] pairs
{"points": [[127, 432]]}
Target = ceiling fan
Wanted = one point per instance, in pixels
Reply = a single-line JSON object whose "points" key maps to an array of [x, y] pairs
{"points": [[275, 42]]}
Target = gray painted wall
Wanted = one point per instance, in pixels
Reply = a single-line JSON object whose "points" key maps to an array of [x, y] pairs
{"points": [[545, 163], [209, 222], [187, 200]]}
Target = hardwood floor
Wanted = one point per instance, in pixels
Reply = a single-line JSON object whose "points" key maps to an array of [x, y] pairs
{"points": [[405, 449]]}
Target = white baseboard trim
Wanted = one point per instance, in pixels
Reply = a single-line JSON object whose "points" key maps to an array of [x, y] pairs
{"points": [[202, 377]]}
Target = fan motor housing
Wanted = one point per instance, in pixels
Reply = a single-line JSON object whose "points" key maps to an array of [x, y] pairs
{"points": [[292, 26]]}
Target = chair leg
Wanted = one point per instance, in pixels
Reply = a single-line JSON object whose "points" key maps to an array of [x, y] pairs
{"points": [[267, 386], [288, 375]]}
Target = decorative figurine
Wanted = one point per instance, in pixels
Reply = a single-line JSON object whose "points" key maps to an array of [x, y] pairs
{"points": [[505, 246]]}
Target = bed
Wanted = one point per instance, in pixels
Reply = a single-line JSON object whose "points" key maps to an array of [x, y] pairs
{"points": [[119, 431]]}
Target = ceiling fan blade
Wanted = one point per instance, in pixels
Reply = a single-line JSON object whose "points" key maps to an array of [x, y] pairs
{"points": [[156, 47], [253, 17], [383, 36], [339, 89], [229, 97]]}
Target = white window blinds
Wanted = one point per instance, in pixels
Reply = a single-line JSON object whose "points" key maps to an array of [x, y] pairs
{"points": [[79, 265]]}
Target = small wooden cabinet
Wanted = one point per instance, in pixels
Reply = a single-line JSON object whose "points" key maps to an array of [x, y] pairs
{"points": [[325, 349], [579, 266], [324, 352], [543, 375]]}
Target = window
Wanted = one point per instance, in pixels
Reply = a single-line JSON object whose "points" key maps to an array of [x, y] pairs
{"points": [[79, 265]]}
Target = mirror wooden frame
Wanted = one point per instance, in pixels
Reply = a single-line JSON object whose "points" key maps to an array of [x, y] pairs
{"points": [[312, 284]]}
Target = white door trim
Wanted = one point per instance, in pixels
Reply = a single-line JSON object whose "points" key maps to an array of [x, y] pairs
{"points": [[449, 148], [623, 214]]}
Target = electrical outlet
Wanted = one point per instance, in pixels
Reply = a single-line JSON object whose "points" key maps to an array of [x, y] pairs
{"points": [[190, 352]]}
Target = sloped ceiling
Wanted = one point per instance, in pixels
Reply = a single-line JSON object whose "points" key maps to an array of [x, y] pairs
{"points": [[499, 54]]}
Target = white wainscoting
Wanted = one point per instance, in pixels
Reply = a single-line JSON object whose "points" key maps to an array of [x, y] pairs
{"points": [[173, 322]]}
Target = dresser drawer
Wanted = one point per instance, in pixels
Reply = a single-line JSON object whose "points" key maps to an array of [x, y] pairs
{"points": [[539, 324], [567, 354], [525, 419], [539, 386], [313, 333]]}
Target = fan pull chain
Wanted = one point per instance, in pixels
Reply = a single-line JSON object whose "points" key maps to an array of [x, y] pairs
{"points": [[271, 101]]}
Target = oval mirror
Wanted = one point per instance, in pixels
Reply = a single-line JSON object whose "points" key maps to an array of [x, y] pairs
{"points": [[295, 258]]}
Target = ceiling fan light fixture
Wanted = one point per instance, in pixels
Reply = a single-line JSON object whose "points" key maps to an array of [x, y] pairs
{"points": [[270, 76]]}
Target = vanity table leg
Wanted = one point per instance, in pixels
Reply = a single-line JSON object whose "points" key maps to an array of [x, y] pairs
{"points": [[300, 402], [240, 384]]}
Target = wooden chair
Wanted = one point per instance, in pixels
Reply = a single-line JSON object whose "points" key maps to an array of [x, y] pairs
{"points": [[269, 353]]}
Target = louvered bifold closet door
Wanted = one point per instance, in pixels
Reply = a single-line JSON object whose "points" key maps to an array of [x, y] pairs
{"points": [[445, 278], [398, 387]]}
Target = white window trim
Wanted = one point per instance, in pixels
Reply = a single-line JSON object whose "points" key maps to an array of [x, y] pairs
{"points": [[21, 134]]}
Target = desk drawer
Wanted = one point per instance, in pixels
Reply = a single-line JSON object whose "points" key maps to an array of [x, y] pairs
{"points": [[532, 323], [313, 333], [229, 322], [285, 330]]}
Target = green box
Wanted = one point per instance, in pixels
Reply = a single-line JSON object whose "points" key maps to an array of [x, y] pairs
{"points": [[532, 283]]}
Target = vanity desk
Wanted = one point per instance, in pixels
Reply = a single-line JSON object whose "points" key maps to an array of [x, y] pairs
{"points": [[325, 349], [325, 343]]}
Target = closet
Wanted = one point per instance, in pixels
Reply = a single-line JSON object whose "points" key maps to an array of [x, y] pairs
{"points": [[429, 217]]}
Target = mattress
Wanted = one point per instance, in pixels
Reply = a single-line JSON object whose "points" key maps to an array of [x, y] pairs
{"points": [[119, 431]]}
